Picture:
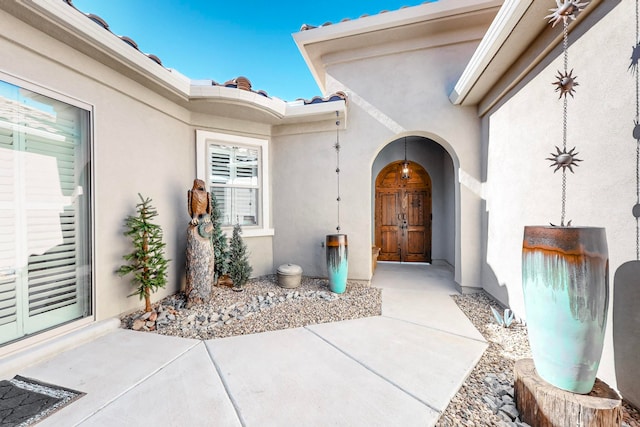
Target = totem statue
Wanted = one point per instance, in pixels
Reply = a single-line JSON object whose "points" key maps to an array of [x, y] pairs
{"points": [[200, 255]]}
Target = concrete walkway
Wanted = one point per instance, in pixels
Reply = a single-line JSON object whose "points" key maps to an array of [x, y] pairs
{"points": [[398, 369]]}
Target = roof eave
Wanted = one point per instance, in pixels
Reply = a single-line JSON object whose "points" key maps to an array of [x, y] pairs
{"points": [[75, 23], [306, 40], [518, 24], [58, 19]]}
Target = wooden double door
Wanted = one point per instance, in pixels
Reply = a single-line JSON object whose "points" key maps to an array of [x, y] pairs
{"points": [[403, 214]]}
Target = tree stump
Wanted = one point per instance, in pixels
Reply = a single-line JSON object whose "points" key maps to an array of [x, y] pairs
{"points": [[200, 267], [543, 405]]}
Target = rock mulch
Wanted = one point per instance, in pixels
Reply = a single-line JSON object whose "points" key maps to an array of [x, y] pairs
{"points": [[486, 397], [262, 306]]}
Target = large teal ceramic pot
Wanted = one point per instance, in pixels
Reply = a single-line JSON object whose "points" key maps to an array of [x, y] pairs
{"points": [[337, 265], [565, 279]]}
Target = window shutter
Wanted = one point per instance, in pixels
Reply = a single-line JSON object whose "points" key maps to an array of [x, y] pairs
{"points": [[247, 167], [220, 166], [51, 216], [8, 296]]}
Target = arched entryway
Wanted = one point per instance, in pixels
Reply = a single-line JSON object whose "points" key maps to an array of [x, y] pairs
{"points": [[403, 213]]}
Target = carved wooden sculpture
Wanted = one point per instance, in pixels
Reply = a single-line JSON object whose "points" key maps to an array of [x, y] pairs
{"points": [[198, 201]]}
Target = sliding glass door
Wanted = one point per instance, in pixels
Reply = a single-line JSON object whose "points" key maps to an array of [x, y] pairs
{"points": [[45, 229]]}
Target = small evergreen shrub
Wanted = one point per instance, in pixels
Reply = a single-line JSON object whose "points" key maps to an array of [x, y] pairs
{"points": [[238, 268], [219, 241], [147, 261]]}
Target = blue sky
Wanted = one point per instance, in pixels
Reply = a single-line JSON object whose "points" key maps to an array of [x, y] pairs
{"points": [[210, 39]]}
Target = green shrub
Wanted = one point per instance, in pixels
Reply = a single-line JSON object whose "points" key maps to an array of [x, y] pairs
{"points": [[146, 261], [219, 241], [238, 268]]}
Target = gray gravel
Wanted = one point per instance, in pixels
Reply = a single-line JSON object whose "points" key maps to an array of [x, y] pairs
{"points": [[262, 306], [481, 400]]}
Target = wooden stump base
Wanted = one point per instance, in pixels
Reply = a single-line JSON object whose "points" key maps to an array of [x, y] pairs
{"points": [[200, 268], [544, 405]]}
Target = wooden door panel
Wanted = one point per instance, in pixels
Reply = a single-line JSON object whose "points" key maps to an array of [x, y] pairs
{"points": [[415, 241], [415, 208], [418, 226], [389, 209], [390, 247], [387, 226]]}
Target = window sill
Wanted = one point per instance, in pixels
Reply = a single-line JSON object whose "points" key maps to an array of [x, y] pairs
{"points": [[250, 232]]}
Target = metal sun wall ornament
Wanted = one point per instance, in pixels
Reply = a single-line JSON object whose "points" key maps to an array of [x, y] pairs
{"points": [[566, 85], [567, 9]]}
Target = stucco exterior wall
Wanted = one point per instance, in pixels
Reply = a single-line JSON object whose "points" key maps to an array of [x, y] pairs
{"points": [[407, 93], [521, 189], [304, 205], [142, 142]]}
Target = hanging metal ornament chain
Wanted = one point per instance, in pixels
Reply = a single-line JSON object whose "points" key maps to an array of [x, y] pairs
{"points": [[337, 147], [565, 84], [636, 130], [565, 48]]}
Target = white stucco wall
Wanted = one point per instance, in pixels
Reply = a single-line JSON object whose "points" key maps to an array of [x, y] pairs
{"points": [[407, 92], [523, 129]]}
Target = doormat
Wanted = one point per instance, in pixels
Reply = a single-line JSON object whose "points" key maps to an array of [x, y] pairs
{"points": [[24, 401]]}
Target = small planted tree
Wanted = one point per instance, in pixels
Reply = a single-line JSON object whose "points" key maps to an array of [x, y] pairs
{"points": [[147, 261], [219, 241], [238, 268]]}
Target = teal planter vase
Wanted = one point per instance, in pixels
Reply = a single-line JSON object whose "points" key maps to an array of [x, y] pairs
{"points": [[565, 279], [337, 263]]}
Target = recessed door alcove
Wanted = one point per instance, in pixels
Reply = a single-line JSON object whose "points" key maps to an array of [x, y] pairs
{"points": [[422, 207]]}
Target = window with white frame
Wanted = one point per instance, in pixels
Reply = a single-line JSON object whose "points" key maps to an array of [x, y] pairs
{"points": [[235, 169]]}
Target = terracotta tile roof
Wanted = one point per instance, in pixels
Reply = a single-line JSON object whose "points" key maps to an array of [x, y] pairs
{"points": [[338, 96], [241, 82], [244, 83], [306, 27], [103, 24]]}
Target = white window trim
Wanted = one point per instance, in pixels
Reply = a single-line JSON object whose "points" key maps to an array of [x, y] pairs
{"points": [[204, 138]]}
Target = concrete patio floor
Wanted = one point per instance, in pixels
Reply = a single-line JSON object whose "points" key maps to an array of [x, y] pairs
{"points": [[398, 369]]}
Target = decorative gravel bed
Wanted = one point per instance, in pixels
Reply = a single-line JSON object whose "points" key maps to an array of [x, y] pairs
{"points": [[485, 398], [262, 306]]}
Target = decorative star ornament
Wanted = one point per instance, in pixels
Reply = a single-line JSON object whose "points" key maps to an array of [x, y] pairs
{"points": [[567, 9], [564, 159], [566, 83]]}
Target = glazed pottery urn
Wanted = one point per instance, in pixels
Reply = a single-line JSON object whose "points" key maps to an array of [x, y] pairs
{"points": [[565, 279], [337, 263]]}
